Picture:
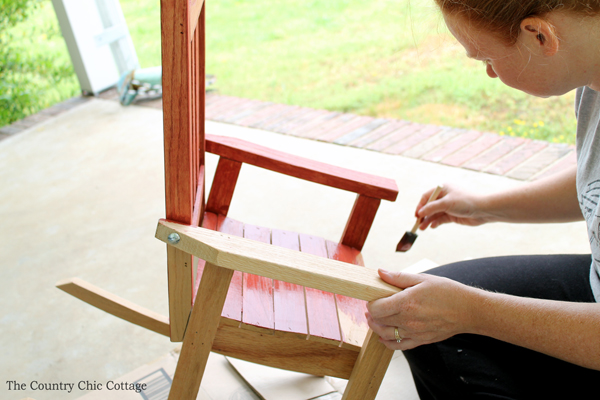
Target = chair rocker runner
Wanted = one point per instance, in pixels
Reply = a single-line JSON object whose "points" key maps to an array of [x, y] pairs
{"points": [[294, 301]]}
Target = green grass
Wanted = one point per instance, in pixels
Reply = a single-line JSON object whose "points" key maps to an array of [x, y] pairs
{"points": [[384, 58], [35, 69]]}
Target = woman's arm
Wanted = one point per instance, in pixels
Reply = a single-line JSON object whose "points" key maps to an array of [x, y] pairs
{"points": [[552, 199], [566, 330], [432, 308]]}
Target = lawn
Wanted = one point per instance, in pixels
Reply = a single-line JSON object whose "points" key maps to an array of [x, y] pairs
{"points": [[384, 58]]}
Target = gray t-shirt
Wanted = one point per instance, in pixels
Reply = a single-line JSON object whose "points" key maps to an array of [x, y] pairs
{"points": [[587, 109]]}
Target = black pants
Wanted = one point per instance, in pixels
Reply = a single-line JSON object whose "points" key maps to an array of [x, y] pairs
{"points": [[477, 367]]}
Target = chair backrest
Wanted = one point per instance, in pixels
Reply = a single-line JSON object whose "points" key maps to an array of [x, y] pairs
{"points": [[183, 63]]}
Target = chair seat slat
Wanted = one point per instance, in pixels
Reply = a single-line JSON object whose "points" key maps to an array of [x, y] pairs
{"points": [[257, 290], [233, 304], [351, 312], [269, 305], [289, 305], [321, 309]]}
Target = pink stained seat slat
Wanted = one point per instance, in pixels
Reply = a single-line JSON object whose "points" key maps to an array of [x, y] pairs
{"points": [[276, 305], [257, 290], [351, 312], [289, 305], [233, 304], [321, 309]]}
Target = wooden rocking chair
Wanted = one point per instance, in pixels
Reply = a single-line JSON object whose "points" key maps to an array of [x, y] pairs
{"points": [[295, 301]]}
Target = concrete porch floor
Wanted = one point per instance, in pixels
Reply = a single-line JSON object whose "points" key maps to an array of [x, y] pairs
{"points": [[80, 197]]}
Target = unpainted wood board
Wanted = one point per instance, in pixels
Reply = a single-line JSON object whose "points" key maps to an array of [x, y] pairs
{"points": [[369, 370], [180, 282], [321, 309], [195, 7], [277, 262], [203, 325], [289, 304], [115, 305], [257, 290], [198, 213], [285, 350], [209, 221]]}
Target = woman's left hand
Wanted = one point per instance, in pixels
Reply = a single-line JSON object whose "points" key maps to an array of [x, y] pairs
{"points": [[428, 310]]}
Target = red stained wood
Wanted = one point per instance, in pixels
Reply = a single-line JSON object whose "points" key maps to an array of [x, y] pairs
{"points": [[177, 114], [360, 221], [257, 290], [221, 191], [351, 312], [183, 105], [289, 305], [299, 167], [321, 309]]}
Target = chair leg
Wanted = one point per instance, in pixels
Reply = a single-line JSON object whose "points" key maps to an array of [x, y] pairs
{"points": [[200, 333], [369, 370]]}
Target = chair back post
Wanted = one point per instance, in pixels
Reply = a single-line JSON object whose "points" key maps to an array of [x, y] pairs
{"points": [[183, 63]]}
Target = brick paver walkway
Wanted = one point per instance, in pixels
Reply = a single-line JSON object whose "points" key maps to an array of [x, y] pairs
{"points": [[516, 158]]}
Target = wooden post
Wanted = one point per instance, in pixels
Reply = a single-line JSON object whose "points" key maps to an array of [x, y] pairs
{"points": [[360, 221], [223, 186], [183, 55], [202, 328], [369, 370]]}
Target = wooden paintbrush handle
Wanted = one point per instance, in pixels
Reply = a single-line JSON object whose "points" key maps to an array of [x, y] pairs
{"points": [[433, 196]]}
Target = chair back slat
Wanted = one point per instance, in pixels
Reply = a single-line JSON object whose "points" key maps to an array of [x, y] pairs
{"points": [[183, 61]]}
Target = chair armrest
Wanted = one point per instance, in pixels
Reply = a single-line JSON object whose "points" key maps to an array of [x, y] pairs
{"points": [[275, 262], [303, 168]]}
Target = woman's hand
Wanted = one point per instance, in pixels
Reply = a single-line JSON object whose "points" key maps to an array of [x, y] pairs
{"points": [[452, 205], [551, 199], [428, 310]]}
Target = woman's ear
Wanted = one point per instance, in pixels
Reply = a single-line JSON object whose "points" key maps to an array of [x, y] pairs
{"points": [[540, 34]]}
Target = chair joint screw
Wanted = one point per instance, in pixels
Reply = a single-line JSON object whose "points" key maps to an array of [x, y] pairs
{"points": [[173, 238]]}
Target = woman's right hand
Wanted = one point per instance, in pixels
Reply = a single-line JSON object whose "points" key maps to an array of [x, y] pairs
{"points": [[452, 205]]}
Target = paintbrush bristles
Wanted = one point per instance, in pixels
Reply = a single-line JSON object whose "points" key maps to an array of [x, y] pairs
{"points": [[410, 236]]}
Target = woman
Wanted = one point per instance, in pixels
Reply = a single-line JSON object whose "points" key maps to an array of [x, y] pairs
{"points": [[523, 327]]}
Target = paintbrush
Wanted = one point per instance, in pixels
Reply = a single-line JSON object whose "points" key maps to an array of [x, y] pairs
{"points": [[410, 236]]}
